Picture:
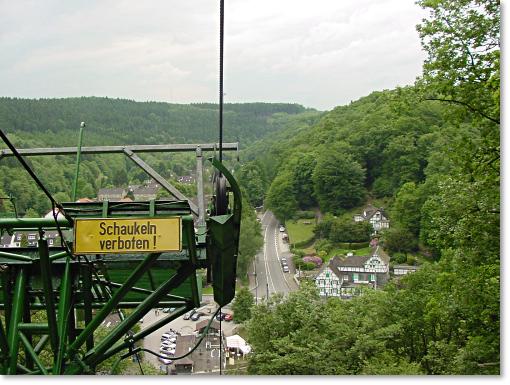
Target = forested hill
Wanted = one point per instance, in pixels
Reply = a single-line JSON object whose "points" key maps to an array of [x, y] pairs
{"points": [[374, 145], [120, 121], [55, 123]]}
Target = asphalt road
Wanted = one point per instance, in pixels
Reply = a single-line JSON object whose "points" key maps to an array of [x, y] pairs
{"points": [[267, 269]]}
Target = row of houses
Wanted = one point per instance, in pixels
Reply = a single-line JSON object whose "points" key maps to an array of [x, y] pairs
{"points": [[147, 191], [347, 277]]}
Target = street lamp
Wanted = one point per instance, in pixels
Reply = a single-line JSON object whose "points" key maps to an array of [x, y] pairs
{"points": [[78, 156]]}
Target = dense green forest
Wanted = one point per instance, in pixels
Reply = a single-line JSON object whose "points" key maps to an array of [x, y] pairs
{"points": [[432, 151], [55, 122]]}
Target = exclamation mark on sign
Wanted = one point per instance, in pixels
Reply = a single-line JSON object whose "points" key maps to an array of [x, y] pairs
{"points": [[154, 242]]}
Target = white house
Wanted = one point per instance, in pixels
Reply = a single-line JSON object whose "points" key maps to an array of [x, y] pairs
{"points": [[345, 277], [376, 216], [399, 270]]}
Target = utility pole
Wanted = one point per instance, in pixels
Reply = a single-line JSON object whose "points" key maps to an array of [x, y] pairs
{"points": [[267, 291]]}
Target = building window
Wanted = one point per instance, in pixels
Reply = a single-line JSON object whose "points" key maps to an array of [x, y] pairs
{"points": [[346, 277], [372, 277], [355, 277]]}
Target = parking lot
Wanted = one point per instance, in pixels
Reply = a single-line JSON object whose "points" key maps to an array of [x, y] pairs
{"points": [[153, 341]]}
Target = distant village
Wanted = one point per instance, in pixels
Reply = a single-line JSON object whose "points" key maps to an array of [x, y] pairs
{"points": [[348, 276]]}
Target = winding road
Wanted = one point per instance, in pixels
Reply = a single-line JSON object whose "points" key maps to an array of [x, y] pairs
{"points": [[267, 268]]}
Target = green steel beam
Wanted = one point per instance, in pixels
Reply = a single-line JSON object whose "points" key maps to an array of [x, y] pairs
{"points": [[42, 343], [33, 328], [4, 348], [77, 167], [46, 275], [18, 300], [27, 320], [145, 332], [59, 255], [30, 350], [96, 355], [15, 257], [191, 147], [63, 315], [6, 286], [189, 233], [114, 301], [87, 301], [146, 291]]}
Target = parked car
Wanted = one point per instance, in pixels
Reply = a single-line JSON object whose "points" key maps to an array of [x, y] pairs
{"points": [[168, 309], [285, 269], [166, 336], [166, 361], [282, 229], [168, 341], [167, 349], [228, 317], [220, 316], [169, 353], [196, 316], [189, 314], [284, 262]]}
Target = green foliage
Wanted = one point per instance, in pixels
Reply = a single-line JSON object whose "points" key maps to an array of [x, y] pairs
{"points": [[242, 305], [250, 239], [343, 229], [338, 181], [280, 197], [406, 209], [55, 122], [462, 40], [252, 180], [398, 240], [442, 162]]}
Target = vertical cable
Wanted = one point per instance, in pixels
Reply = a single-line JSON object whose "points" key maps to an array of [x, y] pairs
{"points": [[222, 17], [222, 9]]}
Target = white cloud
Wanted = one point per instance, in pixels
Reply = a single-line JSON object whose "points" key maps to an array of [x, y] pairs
{"points": [[320, 54]]}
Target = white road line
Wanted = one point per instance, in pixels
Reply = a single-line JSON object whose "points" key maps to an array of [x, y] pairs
{"points": [[268, 272]]}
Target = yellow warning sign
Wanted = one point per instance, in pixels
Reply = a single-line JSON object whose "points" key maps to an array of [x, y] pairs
{"points": [[133, 235]]}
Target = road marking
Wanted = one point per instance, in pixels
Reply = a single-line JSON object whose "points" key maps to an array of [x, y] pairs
{"points": [[268, 272]]}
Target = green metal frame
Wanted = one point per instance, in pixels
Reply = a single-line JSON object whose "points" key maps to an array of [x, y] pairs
{"points": [[51, 280]]}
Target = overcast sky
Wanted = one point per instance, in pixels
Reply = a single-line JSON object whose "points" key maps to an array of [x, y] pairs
{"points": [[320, 53]]}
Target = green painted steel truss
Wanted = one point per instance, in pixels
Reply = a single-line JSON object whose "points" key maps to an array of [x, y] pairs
{"points": [[52, 301]]}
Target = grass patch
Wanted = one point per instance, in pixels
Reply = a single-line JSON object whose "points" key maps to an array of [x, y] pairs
{"points": [[300, 231], [207, 290]]}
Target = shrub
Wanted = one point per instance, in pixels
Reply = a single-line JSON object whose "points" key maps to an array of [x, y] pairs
{"points": [[317, 261], [304, 215], [307, 266], [399, 258], [323, 245]]}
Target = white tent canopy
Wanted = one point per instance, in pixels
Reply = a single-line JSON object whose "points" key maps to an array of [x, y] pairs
{"points": [[238, 342]]}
